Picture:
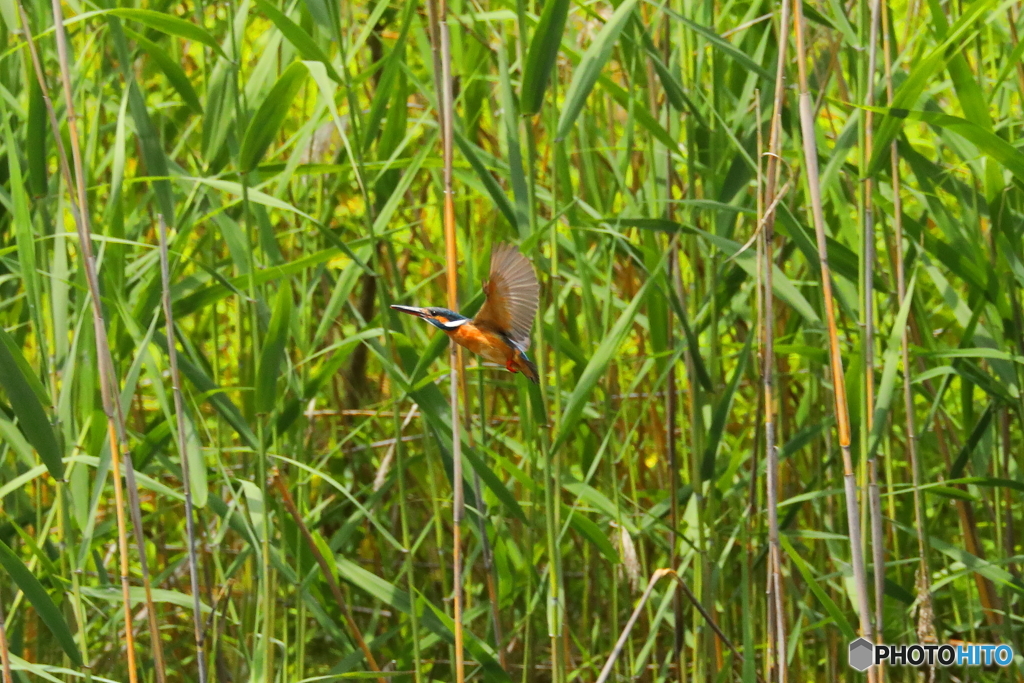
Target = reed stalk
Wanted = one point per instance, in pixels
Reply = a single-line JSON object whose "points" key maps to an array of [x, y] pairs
{"points": [[443, 57], [868, 316], [924, 581], [109, 384], [762, 321], [776, 625], [62, 161], [186, 480], [525, 128], [671, 413], [671, 388], [549, 371], [810, 149]]}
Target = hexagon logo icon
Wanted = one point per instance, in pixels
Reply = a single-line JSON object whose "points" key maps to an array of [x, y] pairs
{"points": [[862, 654]]}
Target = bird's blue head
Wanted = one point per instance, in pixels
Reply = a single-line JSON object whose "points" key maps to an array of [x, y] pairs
{"points": [[441, 318]]}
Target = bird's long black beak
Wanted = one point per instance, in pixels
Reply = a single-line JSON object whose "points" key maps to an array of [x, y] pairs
{"points": [[411, 310]]}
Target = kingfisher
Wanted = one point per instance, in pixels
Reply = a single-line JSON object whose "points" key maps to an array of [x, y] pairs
{"points": [[500, 332]]}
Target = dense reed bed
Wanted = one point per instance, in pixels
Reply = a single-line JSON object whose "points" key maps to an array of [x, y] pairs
{"points": [[780, 339]]}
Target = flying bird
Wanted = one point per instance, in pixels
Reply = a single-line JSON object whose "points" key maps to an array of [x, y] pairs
{"points": [[500, 332]]}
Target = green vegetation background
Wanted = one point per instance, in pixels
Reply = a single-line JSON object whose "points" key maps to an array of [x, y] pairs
{"points": [[294, 151]]}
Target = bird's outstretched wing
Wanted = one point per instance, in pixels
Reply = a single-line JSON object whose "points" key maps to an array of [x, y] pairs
{"points": [[512, 294]]}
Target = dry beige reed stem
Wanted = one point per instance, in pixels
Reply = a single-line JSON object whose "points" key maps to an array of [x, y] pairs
{"points": [[874, 495], [777, 625]]}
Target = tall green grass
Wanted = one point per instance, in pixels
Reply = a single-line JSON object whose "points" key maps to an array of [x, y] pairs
{"points": [[226, 441]]}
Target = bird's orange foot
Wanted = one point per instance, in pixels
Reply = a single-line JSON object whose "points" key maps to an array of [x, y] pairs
{"points": [[510, 367]]}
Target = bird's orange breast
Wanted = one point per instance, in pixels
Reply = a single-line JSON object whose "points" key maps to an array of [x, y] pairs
{"points": [[487, 344]]}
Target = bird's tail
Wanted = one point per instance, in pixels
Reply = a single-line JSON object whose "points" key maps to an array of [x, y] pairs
{"points": [[527, 367]]}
